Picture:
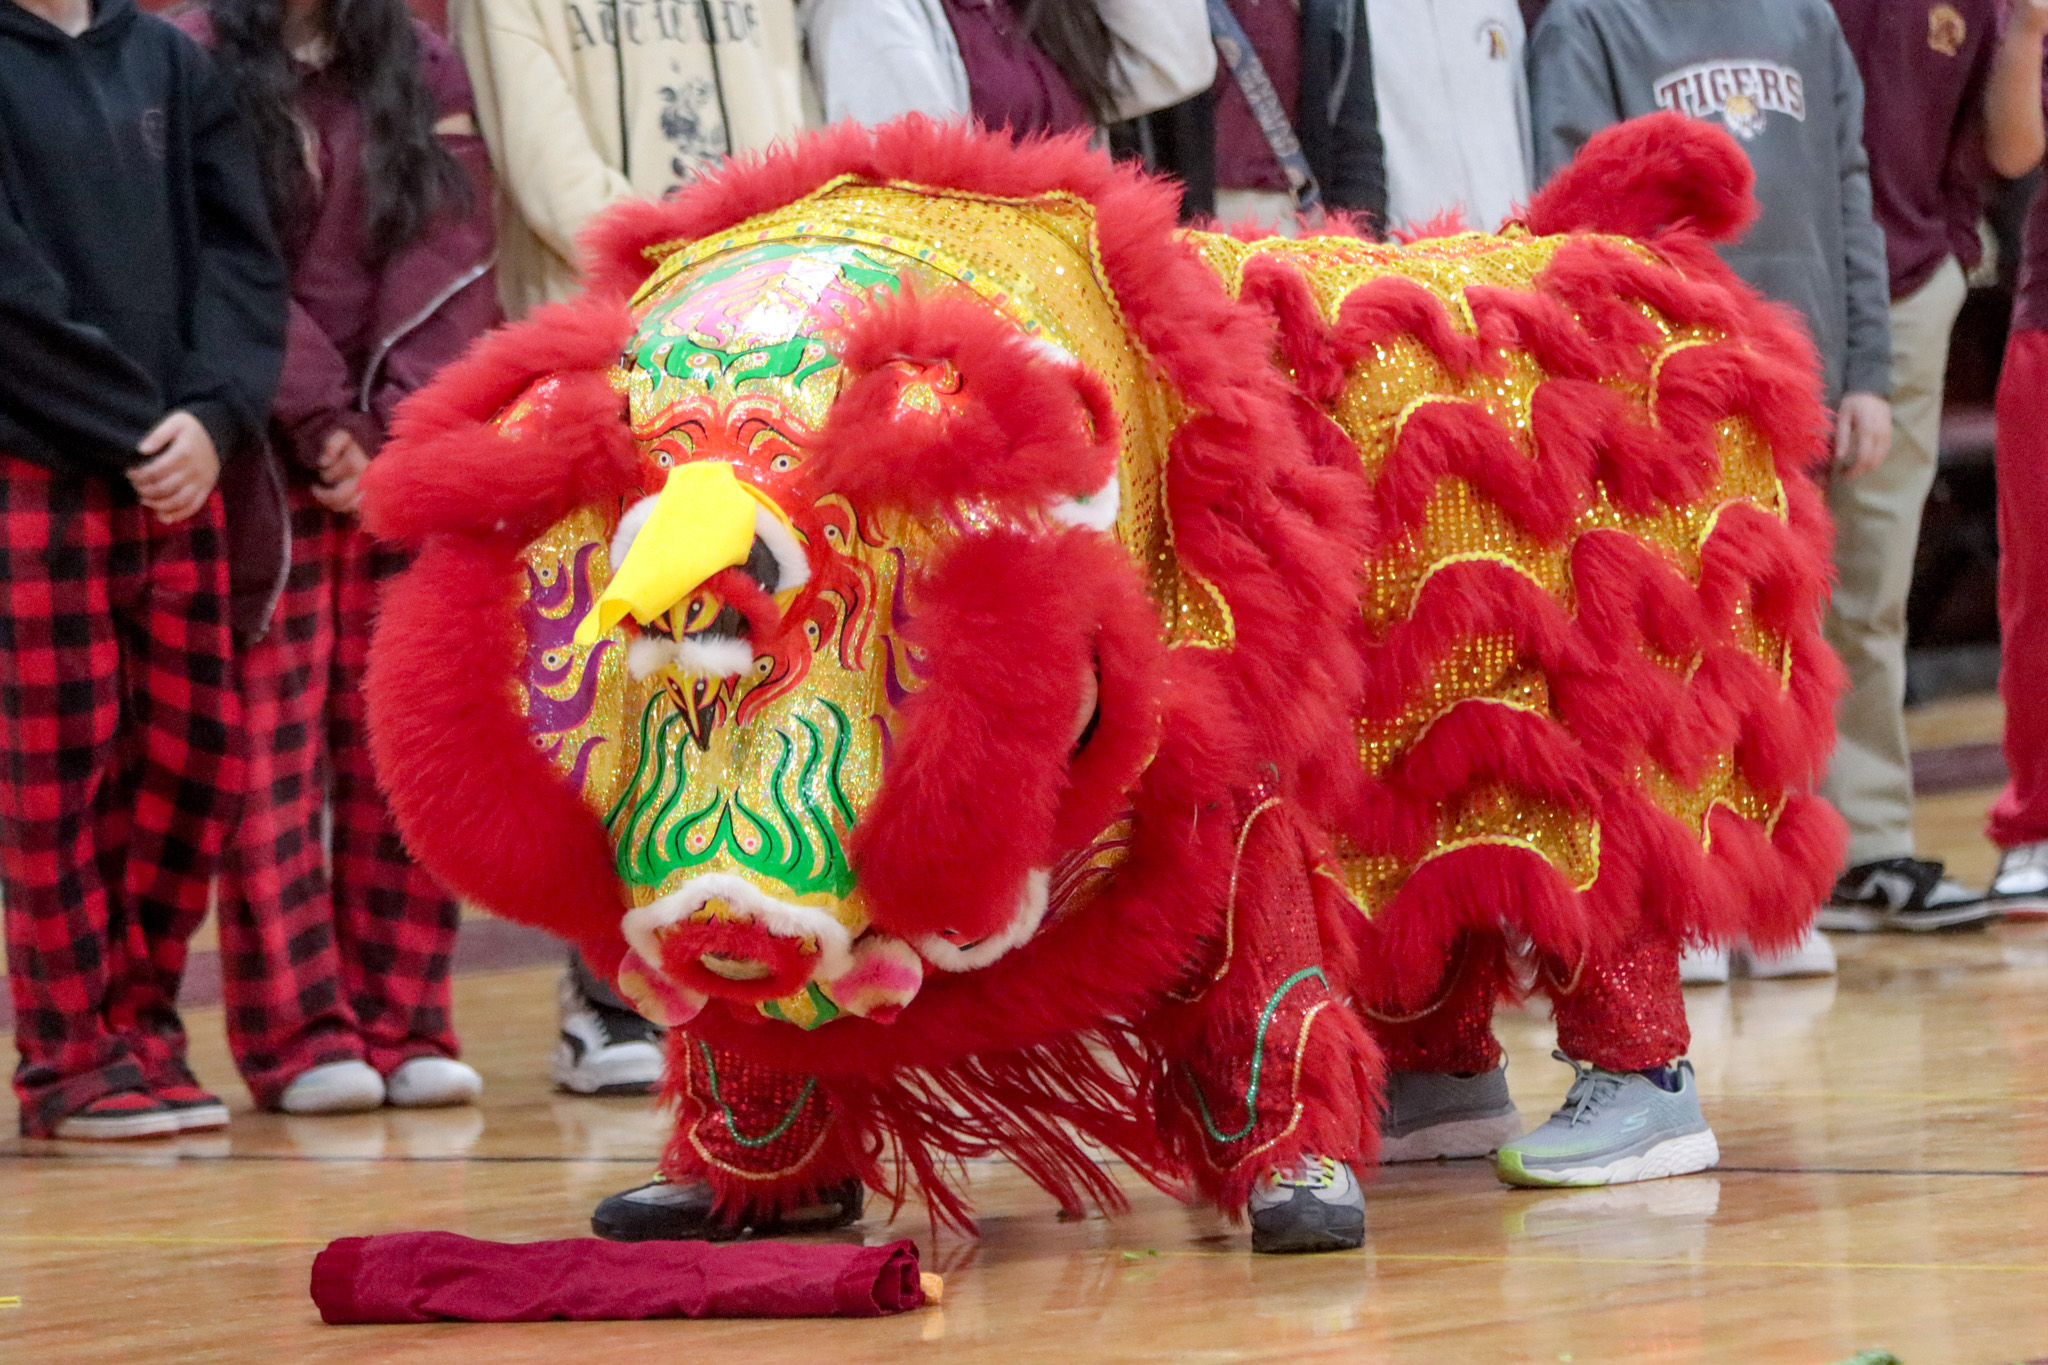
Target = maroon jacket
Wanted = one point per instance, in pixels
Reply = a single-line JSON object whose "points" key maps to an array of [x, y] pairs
{"points": [[361, 337], [1010, 81], [1925, 64]]}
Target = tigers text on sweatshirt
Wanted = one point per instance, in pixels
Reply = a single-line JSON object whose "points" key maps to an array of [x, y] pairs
{"points": [[1779, 76]]}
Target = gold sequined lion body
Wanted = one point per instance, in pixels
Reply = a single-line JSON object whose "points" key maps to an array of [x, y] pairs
{"points": [[982, 664]]}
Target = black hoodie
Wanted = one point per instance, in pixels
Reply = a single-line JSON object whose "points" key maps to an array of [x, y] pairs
{"points": [[138, 272]]}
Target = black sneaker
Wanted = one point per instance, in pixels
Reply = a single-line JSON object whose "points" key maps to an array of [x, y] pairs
{"points": [[1316, 1205], [605, 1048], [666, 1211], [1902, 895]]}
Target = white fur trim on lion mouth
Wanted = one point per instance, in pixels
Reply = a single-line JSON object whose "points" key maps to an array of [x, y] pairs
{"points": [[629, 528], [1095, 511], [708, 656], [1030, 913], [643, 924], [792, 565]]}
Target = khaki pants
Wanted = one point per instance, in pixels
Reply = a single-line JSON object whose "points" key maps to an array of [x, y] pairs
{"points": [[1877, 529]]}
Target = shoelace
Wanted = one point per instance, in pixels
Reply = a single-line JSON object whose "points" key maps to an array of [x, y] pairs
{"points": [[1311, 1173], [1591, 1089]]}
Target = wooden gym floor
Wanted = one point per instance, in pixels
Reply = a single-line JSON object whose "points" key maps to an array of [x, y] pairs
{"points": [[1884, 1187]]}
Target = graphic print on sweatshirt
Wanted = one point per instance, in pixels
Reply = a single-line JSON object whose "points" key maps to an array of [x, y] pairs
{"points": [[682, 40], [1744, 92], [692, 121]]}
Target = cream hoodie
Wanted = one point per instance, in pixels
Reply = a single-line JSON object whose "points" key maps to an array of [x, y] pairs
{"points": [[576, 119]]}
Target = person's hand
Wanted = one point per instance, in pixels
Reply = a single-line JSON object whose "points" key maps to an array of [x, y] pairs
{"points": [[1863, 434], [182, 470], [342, 463]]}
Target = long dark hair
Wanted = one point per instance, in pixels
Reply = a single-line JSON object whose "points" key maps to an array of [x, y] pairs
{"points": [[1072, 33], [408, 175]]}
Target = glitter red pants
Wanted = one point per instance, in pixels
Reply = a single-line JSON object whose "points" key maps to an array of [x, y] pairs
{"points": [[1623, 1012], [763, 1138]]}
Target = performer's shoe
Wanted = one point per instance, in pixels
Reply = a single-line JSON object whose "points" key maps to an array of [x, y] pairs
{"points": [[1317, 1205], [2020, 886], [1615, 1127], [680, 1211], [334, 1088], [1903, 895], [604, 1050], [1431, 1115]]}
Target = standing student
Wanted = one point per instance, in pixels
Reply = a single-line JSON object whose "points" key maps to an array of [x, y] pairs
{"points": [[1950, 87], [1033, 66], [584, 103], [142, 311], [2019, 818], [335, 946], [1292, 125], [1453, 93]]}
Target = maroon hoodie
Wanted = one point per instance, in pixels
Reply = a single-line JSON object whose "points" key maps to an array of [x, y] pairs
{"points": [[361, 336]]}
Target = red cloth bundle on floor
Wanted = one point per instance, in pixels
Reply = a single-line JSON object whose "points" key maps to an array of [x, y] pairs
{"points": [[440, 1276]]}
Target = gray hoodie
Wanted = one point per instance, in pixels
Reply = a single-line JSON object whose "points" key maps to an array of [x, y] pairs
{"points": [[1778, 75]]}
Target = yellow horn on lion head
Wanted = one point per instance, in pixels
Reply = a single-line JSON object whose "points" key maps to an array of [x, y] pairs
{"points": [[703, 521]]}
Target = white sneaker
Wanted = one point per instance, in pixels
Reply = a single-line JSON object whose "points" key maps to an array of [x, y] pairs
{"points": [[433, 1082], [1811, 956], [334, 1088], [2020, 887], [1703, 967]]}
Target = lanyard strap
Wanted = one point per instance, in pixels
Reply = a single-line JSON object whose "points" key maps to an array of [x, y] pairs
{"points": [[1250, 74]]}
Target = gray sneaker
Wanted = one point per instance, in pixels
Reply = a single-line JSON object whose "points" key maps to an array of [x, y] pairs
{"points": [[1431, 1115], [1615, 1127], [1315, 1206]]}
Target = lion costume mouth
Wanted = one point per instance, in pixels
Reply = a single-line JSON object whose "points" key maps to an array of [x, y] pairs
{"points": [[720, 936]]}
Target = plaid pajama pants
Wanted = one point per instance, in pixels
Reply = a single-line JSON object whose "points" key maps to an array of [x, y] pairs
{"points": [[326, 956], [118, 778]]}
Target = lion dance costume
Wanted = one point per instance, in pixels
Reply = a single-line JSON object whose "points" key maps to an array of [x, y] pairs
{"points": [[999, 674]]}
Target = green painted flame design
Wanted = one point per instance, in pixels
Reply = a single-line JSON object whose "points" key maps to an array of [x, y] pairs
{"points": [[799, 843]]}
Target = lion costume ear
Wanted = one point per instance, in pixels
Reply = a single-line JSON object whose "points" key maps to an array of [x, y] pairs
{"points": [[948, 401], [527, 426]]}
